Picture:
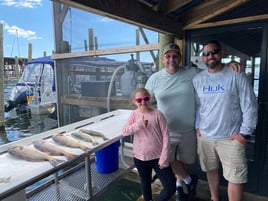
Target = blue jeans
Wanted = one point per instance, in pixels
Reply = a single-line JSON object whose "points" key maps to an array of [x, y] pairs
{"points": [[166, 177]]}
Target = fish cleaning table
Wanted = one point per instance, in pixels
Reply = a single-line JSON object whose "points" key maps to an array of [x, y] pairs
{"points": [[76, 179]]}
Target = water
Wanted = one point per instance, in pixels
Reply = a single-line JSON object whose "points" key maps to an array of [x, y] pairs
{"points": [[21, 125]]}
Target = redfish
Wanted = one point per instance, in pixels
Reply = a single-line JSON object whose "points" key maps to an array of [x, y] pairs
{"points": [[5, 179], [85, 137], [52, 149], [94, 133], [31, 154], [68, 141]]}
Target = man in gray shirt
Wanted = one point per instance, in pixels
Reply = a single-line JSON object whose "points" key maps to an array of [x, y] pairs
{"points": [[174, 93], [226, 116]]}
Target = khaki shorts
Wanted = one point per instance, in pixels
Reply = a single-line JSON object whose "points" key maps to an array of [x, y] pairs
{"points": [[230, 153], [185, 150]]}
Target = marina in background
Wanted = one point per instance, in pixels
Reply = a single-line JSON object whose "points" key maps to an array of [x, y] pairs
{"points": [[21, 125]]}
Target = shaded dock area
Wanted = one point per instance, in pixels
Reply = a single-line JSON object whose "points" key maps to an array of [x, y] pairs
{"points": [[202, 190]]}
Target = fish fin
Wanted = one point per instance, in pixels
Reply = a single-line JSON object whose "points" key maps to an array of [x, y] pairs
{"points": [[70, 157], [105, 138], [54, 162], [84, 148], [75, 135]]}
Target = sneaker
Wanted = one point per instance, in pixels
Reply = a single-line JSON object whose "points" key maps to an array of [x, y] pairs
{"points": [[180, 195], [191, 188]]}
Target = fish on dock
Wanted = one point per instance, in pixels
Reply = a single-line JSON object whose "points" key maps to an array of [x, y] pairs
{"points": [[52, 149], [85, 137], [94, 133], [68, 141], [34, 155], [5, 179]]}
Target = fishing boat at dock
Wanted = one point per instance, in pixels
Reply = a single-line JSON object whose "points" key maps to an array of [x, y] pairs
{"points": [[35, 90], [102, 77]]}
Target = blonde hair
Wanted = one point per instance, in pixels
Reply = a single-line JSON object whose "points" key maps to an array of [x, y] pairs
{"points": [[140, 90]]}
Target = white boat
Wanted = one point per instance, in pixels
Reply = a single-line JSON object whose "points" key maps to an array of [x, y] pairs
{"points": [[35, 90]]}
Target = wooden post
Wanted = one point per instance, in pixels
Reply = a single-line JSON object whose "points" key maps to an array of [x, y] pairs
{"points": [[63, 72], [17, 66], [179, 42], [30, 51], [85, 45], [147, 42], [164, 39], [91, 41], [96, 43], [2, 100], [137, 43]]}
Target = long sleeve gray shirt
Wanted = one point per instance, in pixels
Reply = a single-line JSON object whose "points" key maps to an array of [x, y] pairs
{"points": [[226, 104]]}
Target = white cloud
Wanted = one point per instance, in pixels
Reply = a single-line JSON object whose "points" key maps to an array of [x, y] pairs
{"points": [[21, 3], [106, 19], [19, 32]]}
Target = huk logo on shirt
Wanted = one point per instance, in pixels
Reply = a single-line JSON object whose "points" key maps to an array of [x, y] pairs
{"points": [[213, 89]]}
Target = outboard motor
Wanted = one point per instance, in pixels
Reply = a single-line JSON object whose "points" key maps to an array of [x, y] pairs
{"points": [[20, 102]]}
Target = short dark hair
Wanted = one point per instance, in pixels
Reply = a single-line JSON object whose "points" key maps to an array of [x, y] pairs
{"points": [[215, 42]]}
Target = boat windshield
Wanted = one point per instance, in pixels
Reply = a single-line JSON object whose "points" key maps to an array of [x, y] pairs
{"points": [[33, 72]]}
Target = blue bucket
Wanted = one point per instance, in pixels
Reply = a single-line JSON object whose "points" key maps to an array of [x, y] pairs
{"points": [[107, 159]]}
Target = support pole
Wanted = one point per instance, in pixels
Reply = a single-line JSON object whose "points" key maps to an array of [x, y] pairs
{"points": [[30, 52], [137, 44], [91, 41], [147, 42], [2, 100], [17, 66]]}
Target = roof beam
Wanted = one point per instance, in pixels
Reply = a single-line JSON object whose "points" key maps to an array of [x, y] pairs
{"points": [[120, 10], [167, 6], [207, 10], [173, 5], [226, 22]]}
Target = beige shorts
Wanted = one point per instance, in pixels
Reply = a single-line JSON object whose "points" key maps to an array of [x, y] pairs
{"points": [[185, 150], [230, 153]]}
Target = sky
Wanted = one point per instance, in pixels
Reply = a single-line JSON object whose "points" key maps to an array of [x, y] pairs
{"points": [[25, 22], [31, 22]]}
